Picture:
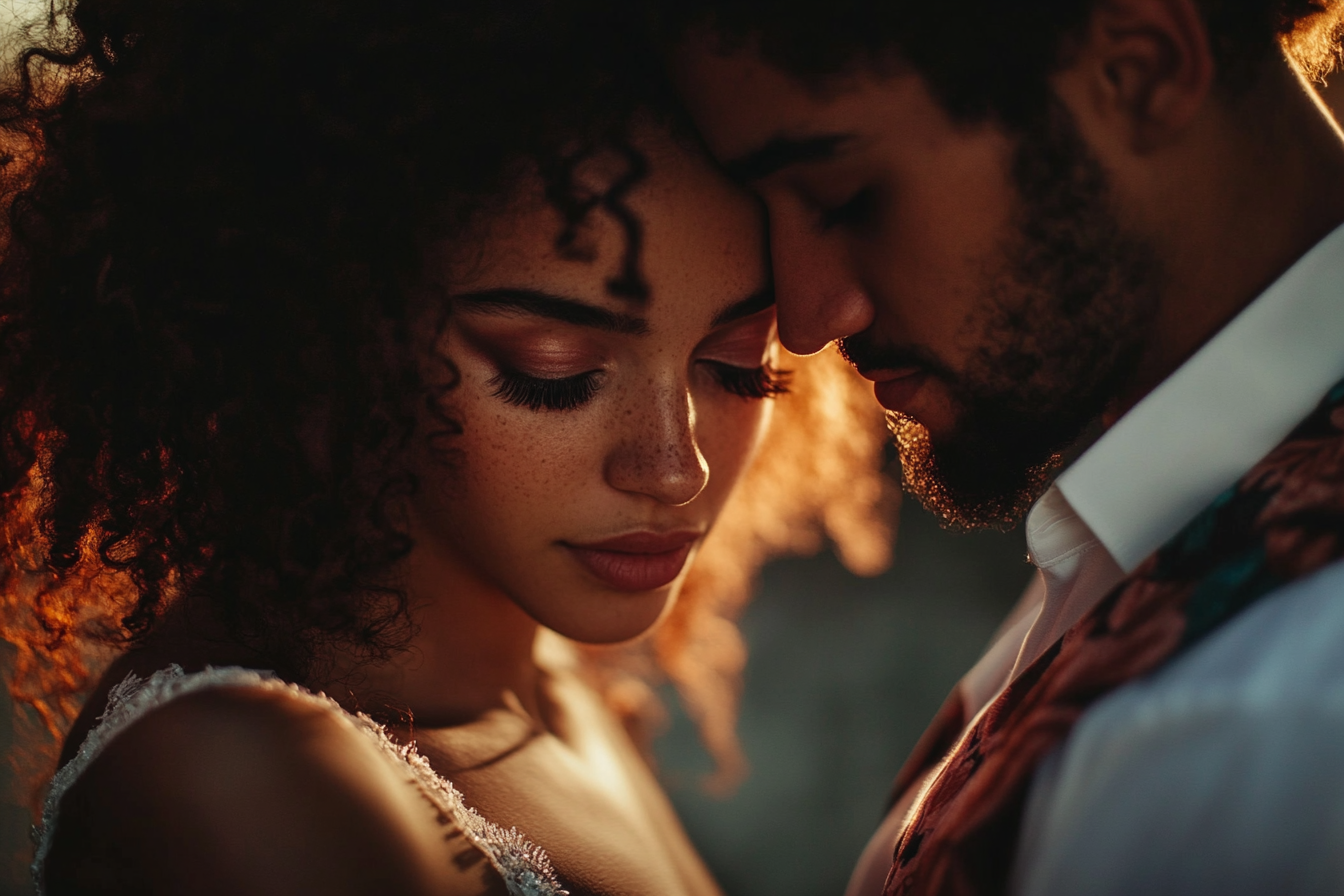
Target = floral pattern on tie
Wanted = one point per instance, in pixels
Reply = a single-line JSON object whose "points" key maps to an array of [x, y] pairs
{"points": [[1282, 521]]}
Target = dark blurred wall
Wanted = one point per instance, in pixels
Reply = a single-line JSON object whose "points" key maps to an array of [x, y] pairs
{"points": [[843, 676]]}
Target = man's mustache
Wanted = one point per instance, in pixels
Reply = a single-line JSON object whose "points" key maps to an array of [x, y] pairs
{"points": [[866, 354]]}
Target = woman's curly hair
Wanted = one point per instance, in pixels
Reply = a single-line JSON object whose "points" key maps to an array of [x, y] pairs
{"points": [[216, 215]]}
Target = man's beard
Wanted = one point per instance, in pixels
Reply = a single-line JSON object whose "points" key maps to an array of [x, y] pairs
{"points": [[1066, 314]]}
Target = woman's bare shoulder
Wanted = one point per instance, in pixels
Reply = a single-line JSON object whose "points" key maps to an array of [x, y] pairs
{"points": [[254, 791]]}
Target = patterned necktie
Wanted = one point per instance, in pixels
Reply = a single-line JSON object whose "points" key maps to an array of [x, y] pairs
{"points": [[1282, 521]]}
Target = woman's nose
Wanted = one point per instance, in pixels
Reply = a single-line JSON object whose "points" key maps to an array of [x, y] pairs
{"points": [[657, 454]]}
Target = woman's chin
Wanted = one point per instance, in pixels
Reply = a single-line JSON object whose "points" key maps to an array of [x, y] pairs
{"points": [[599, 618]]}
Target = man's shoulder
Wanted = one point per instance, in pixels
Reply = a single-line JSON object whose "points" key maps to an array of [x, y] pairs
{"points": [[1214, 774], [1283, 650], [1281, 659]]}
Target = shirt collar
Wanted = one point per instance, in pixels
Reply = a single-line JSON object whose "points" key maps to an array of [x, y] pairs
{"points": [[1222, 411]]}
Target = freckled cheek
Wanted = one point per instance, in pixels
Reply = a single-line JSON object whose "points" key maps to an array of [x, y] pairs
{"points": [[524, 459], [728, 432]]}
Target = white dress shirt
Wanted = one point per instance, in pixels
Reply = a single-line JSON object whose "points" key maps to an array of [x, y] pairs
{"points": [[1165, 778]]}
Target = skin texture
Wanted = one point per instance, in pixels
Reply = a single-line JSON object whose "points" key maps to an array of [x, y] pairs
{"points": [[656, 446], [277, 798], [661, 442], [898, 237]]}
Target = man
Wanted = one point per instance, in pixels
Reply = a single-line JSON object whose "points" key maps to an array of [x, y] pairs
{"points": [[1030, 223]]}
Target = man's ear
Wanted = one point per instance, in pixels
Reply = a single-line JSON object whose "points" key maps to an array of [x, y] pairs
{"points": [[1141, 70]]}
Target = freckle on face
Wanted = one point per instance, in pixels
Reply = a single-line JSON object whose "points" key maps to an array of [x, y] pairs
{"points": [[532, 480]]}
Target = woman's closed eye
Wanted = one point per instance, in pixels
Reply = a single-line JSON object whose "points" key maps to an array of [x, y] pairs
{"points": [[539, 368], [763, 381], [544, 393], [572, 392], [738, 357]]}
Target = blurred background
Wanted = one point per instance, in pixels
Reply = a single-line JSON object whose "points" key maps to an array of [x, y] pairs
{"points": [[843, 677]]}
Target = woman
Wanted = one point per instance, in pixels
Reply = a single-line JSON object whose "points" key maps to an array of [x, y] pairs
{"points": [[407, 356]]}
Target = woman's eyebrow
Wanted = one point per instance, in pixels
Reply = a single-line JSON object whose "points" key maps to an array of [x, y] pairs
{"points": [[757, 301], [544, 304]]}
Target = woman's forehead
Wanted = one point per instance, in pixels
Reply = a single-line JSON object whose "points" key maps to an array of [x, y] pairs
{"points": [[680, 232]]}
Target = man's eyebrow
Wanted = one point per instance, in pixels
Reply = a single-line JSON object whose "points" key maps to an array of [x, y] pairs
{"points": [[544, 304], [782, 152], [757, 301]]}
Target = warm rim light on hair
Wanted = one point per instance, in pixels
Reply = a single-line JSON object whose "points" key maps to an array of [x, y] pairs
{"points": [[921, 478]]}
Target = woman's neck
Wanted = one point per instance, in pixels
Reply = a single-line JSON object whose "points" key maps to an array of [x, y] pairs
{"points": [[471, 647]]}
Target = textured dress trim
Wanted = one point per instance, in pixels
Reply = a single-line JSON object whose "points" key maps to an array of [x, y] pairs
{"points": [[524, 867]]}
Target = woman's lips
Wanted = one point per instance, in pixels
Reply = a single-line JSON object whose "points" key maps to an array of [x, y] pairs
{"points": [[640, 561], [896, 389]]}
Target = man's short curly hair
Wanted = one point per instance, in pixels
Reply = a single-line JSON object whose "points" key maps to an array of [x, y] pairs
{"points": [[985, 58]]}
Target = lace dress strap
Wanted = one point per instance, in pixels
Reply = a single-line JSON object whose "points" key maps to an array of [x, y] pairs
{"points": [[524, 867]]}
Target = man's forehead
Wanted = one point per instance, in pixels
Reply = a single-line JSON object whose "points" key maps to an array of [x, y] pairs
{"points": [[739, 101], [743, 104]]}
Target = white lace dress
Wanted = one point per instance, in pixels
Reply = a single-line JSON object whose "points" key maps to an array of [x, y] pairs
{"points": [[525, 868]]}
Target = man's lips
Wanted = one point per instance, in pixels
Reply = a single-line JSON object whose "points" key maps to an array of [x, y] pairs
{"points": [[897, 388], [638, 561]]}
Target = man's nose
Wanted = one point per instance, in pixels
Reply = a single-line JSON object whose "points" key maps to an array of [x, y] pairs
{"points": [[819, 298]]}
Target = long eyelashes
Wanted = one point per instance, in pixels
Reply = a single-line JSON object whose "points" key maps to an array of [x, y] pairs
{"points": [[751, 382], [568, 393], [538, 393]]}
